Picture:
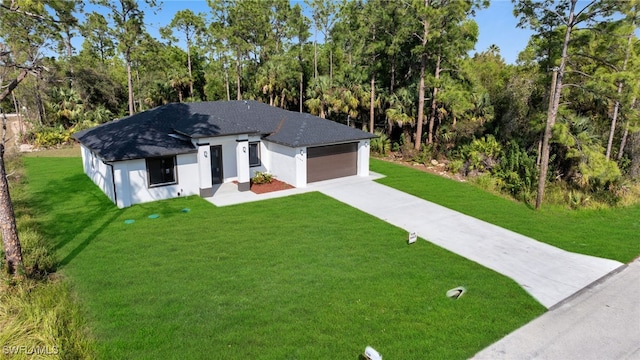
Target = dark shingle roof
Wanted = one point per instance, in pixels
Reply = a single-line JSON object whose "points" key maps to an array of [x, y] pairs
{"points": [[147, 134]]}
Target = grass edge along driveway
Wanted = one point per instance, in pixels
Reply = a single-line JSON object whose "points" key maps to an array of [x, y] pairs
{"points": [[606, 233], [298, 277]]}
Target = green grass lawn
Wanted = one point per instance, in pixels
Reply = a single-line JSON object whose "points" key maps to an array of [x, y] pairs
{"points": [[611, 233], [301, 277]]}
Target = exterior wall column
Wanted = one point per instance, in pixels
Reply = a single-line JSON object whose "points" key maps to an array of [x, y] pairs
{"points": [[122, 185], [242, 163], [204, 170], [363, 158], [301, 167]]}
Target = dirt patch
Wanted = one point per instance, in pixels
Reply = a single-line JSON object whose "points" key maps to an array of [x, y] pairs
{"points": [[433, 167], [274, 185]]}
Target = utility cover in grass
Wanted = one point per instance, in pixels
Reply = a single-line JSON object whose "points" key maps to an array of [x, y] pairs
{"points": [[455, 293], [129, 221], [154, 216]]}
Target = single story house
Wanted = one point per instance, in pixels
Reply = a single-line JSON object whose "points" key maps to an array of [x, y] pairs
{"points": [[183, 149]]}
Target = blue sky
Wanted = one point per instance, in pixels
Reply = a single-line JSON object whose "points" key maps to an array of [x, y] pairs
{"points": [[497, 24]]}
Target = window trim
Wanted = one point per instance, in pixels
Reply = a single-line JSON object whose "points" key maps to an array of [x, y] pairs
{"points": [[257, 145], [175, 171]]}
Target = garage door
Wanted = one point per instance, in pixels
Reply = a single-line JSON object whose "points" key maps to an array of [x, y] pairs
{"points": [[332, 161]]}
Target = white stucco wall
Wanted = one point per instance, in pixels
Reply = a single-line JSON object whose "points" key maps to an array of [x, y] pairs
{"points": [[135, 173], [363, 157], [229, 167], [131, 183], [286, 164], [97, 171]]}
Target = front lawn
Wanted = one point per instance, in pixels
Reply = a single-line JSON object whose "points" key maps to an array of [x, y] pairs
{"points": [[302, 277], [611, 233]]}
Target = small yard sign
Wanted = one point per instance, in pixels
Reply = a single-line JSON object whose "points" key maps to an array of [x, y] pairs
{"points": [[413, 237]]}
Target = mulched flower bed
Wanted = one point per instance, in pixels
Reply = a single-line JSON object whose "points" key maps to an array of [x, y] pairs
{"points": [[274, 185]]}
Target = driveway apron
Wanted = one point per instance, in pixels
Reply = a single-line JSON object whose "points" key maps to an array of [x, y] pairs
{"points": [[549, 274], [602, 322]]}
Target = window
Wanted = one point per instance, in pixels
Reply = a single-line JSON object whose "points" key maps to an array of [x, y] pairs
{"points": [[161, 171], [254, 154]]}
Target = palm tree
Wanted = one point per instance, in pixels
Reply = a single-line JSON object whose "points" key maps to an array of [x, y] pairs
{"points": [[401, 110], [320, 97], [101, 114], [178, 80], [66, 105]]}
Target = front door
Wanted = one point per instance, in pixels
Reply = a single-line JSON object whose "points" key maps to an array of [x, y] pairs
{"points": [[216, 164]]}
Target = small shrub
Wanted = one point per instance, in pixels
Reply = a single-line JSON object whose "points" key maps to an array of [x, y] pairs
{"points": [[517, 172], [455, 166], [262, 178], [482, 154], [487, 182], [424, 155], [577, 199], [380, 145]]}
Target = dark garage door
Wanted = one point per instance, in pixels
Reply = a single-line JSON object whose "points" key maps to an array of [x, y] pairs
{"points": [[332, 161]]}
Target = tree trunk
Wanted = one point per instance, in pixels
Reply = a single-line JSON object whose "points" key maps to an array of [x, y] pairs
{"points": [[238, 69], [434, 105], [372, 103], [226, 81], [616, 107], [634, 170], [625, 134], [423, 66], [301, 83], [330, 63], [39, 104], [614, 120], [13, 84], [10, 239], [393, 74], [623, 142], [552, 112], [130, 85], [315, 57], [189, 65]]}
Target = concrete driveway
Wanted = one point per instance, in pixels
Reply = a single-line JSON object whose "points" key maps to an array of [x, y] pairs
{"points": [[549, 274], [600, 322]]}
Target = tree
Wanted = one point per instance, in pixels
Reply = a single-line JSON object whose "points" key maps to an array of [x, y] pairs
{"points": [[320, 97], [547, 14], [128, 19], [25, 28], [300, 25], [98, 37], [191, 25], [325, 15]]}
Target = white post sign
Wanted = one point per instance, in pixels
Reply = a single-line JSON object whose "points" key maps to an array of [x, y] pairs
{"points": [[413, 236]]}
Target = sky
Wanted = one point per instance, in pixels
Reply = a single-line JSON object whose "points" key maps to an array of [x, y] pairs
{"points": [[497, 24]]}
